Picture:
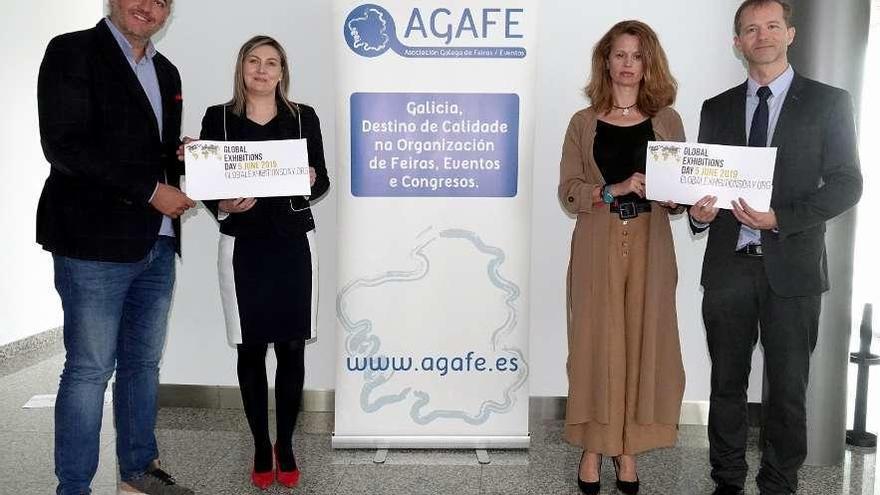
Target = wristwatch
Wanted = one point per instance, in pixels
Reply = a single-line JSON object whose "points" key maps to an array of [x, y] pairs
{"points": [[607, 197]]}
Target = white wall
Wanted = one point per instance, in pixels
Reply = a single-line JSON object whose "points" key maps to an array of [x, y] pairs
{"points": [[203, 43], [28, 301]]}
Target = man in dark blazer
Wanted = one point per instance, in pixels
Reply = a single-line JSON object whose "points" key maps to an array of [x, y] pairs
{"points": [[764, 272], [110, 111]]}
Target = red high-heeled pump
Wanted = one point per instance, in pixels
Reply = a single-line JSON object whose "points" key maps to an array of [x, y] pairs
{"points": [[263, 480], [287, 478]]}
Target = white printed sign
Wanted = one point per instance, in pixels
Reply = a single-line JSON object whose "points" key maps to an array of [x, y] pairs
{"points": [[685, 172], [247, 169]]}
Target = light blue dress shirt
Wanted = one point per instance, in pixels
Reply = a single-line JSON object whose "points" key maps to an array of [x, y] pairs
{"points": [[145, 71], [779, 89]]}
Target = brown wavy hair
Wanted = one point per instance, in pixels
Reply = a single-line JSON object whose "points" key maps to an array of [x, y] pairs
{"points": [[657, 89]]}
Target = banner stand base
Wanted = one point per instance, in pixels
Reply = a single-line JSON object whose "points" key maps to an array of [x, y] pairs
{"points": [[429, 442]]}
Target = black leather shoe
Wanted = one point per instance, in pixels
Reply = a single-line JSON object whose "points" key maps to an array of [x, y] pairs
{"points": [[626, 487], [727, 490], [588, 487]]}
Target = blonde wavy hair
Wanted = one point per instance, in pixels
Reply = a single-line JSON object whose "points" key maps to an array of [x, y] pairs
{"points": [[239, 90]]}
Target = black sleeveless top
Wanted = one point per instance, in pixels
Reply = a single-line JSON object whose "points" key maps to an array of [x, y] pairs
{"points": [[621, 151]]}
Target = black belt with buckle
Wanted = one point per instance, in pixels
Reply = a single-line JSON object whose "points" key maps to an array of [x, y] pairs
{"points": [[629, 209], [751, 250]]}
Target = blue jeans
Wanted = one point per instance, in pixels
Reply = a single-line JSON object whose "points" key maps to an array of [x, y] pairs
{"points": [[115, 316]]}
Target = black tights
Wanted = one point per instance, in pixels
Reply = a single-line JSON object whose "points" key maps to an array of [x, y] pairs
{"points": [[288, 395]]}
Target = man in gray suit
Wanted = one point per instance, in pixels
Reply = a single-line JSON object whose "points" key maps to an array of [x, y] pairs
{"points": [[764, 272]]}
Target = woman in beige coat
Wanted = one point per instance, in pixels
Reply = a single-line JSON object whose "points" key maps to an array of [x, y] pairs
{"points": [[626, 378]]}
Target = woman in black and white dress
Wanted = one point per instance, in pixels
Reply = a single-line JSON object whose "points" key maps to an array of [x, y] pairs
{"points": [[267, 259]]}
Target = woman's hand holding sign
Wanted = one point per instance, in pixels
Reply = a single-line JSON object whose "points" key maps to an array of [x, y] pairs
{"points": [[238, 205], [704, 210], [635, 184]]}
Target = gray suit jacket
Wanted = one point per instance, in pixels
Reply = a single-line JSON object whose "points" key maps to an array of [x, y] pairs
{"points": [[816, 178]]}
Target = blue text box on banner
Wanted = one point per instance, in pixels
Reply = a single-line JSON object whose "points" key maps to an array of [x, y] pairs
{"points": [[434, 144]]}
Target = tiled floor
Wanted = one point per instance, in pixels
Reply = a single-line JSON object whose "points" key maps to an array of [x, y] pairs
{"points": [[210, 451]]}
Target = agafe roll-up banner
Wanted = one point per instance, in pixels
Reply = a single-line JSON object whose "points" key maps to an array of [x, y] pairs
{"points": [[435, 126]]}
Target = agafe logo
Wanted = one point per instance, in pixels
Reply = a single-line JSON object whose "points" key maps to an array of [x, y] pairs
{"points": [[440, 32]]}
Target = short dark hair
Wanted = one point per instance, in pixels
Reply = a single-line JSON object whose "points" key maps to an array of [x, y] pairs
{"points": [[748, 4]]}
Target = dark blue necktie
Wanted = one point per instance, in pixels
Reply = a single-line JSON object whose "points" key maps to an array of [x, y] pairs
{"points": [[761, 119], [757, 138]]}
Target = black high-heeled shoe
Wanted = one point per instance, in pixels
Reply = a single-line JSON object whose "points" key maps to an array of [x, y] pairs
{"points": [[588, 487], [626, 487]]}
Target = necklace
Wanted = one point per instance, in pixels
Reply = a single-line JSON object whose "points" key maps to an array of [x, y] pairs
{"points": [[625, 109]]}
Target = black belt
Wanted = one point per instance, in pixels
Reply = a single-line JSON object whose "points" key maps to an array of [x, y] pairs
{"points": [[629, 209], [751, 250]]}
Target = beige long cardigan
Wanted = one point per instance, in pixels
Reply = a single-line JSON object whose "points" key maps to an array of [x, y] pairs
{"points": [[661, 384]]}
